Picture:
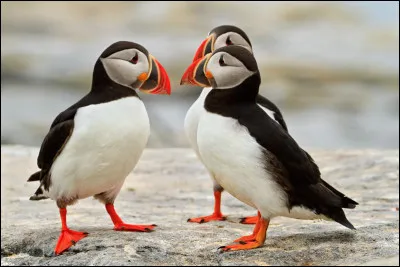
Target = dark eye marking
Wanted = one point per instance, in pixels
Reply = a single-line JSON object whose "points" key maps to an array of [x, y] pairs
{"points": [[228, 41], [135, 59], [222, 61]]}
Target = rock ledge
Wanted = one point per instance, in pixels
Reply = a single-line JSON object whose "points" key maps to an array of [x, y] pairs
{"points": [[170, 185]]}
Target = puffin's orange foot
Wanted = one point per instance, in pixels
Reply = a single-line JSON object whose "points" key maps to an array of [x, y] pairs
{"points": [[249, 220], [134, 228], [254, 240], [242, 246], [67, 239], [204, 219], [245, 239]]}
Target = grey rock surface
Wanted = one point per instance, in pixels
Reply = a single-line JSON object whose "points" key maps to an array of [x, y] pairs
{"points": [[170, 185]]}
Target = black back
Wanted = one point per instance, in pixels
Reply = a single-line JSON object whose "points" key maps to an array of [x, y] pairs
{"points": [[266, 103]]}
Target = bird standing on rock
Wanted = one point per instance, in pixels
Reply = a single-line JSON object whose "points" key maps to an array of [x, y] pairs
{"points": [[250, 155], [218, 37], [93, 145]]}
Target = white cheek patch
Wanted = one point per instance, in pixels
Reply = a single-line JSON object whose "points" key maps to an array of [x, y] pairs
{"points": [[120, 71], [126, 54], [231, 61], [227, 77], [235, 38]]}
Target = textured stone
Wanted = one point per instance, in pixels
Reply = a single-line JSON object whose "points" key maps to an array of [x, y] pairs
{"points": [[170, 185]]}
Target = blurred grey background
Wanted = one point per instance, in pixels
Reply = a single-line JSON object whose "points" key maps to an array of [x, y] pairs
{"points": [[331, 67]]}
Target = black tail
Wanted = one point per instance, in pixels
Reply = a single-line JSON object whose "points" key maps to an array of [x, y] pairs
{"points": [[348, 203], [38, 194], [332, 202], [35, 177], [337, 214]]}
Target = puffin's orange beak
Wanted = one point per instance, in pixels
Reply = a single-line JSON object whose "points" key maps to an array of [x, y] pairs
{"points": [[195, 74], [205, 47], [158, 81]]}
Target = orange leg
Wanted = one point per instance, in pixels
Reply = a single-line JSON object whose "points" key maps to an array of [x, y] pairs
{"points": [[67, 237], [216, 216], [119, 225], [254, 234], [249, 220], [258, 241]]}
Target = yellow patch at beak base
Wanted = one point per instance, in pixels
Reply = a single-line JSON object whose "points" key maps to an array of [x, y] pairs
{"points": [[142, 77], [209, 74]]}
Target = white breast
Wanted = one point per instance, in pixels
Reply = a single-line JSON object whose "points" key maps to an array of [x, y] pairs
{"points": [[192, 119], [236, 160], [193, 116], [107, 141]]}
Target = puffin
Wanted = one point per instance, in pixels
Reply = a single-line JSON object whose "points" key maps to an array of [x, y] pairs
{"points": [[250, 155], [218, 37], [93, 145]]}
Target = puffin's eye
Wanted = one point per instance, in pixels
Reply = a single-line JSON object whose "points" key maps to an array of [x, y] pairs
{"points": [[134, 60], [221, 61], [228, 41]]}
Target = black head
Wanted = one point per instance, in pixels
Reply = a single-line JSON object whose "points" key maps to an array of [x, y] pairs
{"points": [[221, 36], [130, 64], [230, 32], [123, 45]]}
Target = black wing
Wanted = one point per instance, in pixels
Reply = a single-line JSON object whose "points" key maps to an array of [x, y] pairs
{"points": [[58, 135], [53, 143], [51, 147], [265, 102], [278, 142], [306, 188], [302, 172], [62, 126]]}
